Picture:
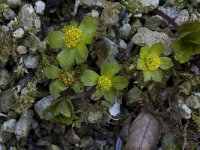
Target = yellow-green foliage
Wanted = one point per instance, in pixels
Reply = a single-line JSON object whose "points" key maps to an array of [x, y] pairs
{"points": [[25, 99], [196, 119]]}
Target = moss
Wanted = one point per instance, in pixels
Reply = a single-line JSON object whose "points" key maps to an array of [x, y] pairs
{"points": [[8, 47], [26, 98]]}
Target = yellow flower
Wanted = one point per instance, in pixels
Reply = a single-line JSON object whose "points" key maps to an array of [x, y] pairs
{"points": [[72, 37], [152, 61], [104, 83], [67, 77]]}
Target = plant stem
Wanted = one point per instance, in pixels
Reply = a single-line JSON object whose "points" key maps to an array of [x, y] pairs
{"points": [[170, 20]]}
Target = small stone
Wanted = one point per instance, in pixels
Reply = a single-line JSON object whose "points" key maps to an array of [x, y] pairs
{"points": [[9, 14], [134, 96], [125, 31], [5, 136], [184, 109], [169, 11], [100, 3], [122, 44], [42, 104], [182, 17], [39, 7], [21, 50], [4, 78], [115, 109], [86, 142], [2, 147], [94, 116], [111, 47], [6, 100], [168, 141], [31, 61], [18, 33], [193, 101], [53, 147], [23, 125], [145, 36], [94, 13], [13, 3], [9, 126], [28, 18]]}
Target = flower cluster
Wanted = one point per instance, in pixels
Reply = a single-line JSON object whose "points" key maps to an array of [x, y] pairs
{"points": [[152, 64]]}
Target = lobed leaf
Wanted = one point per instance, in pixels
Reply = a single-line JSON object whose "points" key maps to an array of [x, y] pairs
{"points": [[109, 68], [56, 87], [55, 39], [89, 78], [119, 82], [157, 48], [141, 65], [110, 95], [165, 63], [52, 72], [157, 75], [81, 53]]}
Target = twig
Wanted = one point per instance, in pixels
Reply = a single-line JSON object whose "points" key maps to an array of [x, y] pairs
{"points": [[170, 20]]}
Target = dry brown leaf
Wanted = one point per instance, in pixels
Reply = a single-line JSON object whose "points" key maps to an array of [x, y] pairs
{"points": [[144, 133]]}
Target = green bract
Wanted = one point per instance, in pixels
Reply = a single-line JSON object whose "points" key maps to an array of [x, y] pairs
{"points": [[60, 111], [152, 64], [107, 83], [73, 39], [187, 43]]}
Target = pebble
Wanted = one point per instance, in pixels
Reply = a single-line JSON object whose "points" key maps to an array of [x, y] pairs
{"points": [[21, 50], [182, 17], [114, 110], [6, 100], [18, 33], [9, 126], [122, 44], [31, 61], [39, 7], [4, 78], [23, 125], [111, 47], [13, 3], [42, 104], [125, 31]]}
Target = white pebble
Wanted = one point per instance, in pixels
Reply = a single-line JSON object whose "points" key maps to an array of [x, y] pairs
{"points": [[18, 33], [39, 7]]}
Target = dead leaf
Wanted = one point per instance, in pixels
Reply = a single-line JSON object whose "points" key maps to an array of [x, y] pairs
{"points": [[144, 133]]}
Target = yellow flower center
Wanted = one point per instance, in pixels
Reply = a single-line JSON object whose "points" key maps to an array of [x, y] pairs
{"points": [[72, 37], [67, 77], [104, 83], [152, 61]]}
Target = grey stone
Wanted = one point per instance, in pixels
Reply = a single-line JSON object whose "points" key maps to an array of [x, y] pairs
{"points": [[4, 78], [193, 101], [168, 141], [94, 116], [6, 100], [9, 14], [100, 3], [122, 44], [125, 31], [23, 125], [39, 7], [111, 47], [149, 3], [145, 36], [42, 104], [13, 3], [173, 13], [21, 50], [18, 33], [2, 147], [31, 61], [32, 43], [28, 18], [53, 147], [5, 136], [184, 110], [134, 96], [182, 17], [9, 126]]}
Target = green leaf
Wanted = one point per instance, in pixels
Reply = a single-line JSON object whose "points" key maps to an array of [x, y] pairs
{"points": [[119, 82], [55, 39], [195, 49], [109, 68], [89, 78], [66, 58], [60, 111], [56, 87], [193, 37], [144, 51], [88, 26], [165, 63], [66, 28], [52, 72], [189, 27], [78, 87], [141, 64], [81, 53], [147, 75], [110, 95], [157, 75], [182, 51], [157, 48], [97, 94]]}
